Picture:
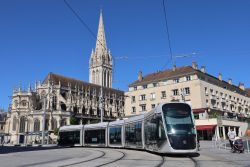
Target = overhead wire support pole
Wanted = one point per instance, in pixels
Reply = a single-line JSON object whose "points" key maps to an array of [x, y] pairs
{"points": [[101, 104], [166, 22]]}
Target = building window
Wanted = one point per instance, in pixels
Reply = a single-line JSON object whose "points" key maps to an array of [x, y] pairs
{"points": [[135, 87], [22, 125], [14, 124], [63, 122], [175, 92], [54, 124], [152, 96], [133, 110], [176, 80], [46, 124], [144, 86], [188, 78], [36, 125], [154, 84], [133, 99], [143, 97], [143, 107], [187, 91], [163, 95], [24, 103], [152, 106]]}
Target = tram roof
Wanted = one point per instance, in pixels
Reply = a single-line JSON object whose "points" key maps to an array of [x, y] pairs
{"points": [[98, 125], [71, 127], [135, 118], [117, 122]]}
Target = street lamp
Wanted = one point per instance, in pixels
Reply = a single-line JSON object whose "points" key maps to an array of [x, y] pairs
{"points": [[101, 102], [44, 121]]}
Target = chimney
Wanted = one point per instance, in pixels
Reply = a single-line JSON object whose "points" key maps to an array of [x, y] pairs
{"points": [[230, 81], [174, 67], [140, 76], [220, 77], [203, 69], [241, 86], [194, 65]]}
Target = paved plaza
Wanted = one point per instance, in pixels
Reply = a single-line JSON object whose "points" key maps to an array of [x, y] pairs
{"points": [[95, 157]]}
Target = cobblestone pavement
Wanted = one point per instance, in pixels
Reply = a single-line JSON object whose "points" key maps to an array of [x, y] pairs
{"points": [[93, 157]]}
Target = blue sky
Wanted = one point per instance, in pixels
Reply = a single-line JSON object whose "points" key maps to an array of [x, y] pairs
{"points": [[42, 36]]}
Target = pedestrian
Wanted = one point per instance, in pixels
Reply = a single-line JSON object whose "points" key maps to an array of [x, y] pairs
{"points": [[231, 136]]}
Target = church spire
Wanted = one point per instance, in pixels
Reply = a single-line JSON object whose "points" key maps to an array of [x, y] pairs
{"points": [[101, 47], [100, 63]]}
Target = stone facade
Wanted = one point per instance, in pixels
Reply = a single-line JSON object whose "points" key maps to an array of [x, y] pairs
{"points": [[3, 116], [208, 95]]}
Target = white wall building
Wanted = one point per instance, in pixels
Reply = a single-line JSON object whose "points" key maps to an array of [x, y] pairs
{"points": [[217, 104]]}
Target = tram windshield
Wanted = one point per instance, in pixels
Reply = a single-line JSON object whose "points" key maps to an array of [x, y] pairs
{"points": [[178, 118]]}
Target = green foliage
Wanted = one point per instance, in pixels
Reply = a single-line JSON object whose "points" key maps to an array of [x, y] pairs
{"points": [[214, 114], [56, 131], [73, 121]]}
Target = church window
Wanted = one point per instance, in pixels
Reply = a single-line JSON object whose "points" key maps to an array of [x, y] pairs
{"points": [[46, 124], [24, 103], [22, 125], [63, 122], [36, 125], [54, 124], [14, 124]]}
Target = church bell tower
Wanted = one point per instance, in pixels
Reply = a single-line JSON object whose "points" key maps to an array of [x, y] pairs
{"points": [[100, 63]]}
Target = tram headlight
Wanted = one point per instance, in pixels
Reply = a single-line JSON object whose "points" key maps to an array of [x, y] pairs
{"points": [[172, 131]]}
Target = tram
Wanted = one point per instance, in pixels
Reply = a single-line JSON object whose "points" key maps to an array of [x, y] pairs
{"points": [[168, 128]]}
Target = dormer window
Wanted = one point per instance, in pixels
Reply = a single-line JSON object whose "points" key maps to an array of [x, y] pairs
{"points": [[154, 84], [188, 78], [145, 86], [176, 80]]}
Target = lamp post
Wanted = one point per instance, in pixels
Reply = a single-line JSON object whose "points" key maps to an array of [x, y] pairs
{"points": [[101, 102], [44, 121]]}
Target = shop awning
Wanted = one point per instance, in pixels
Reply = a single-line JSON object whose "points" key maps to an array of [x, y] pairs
{"points": [[205, 127], [198, 110]]}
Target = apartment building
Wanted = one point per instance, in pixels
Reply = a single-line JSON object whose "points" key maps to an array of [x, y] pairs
{"points": [[217, 104]]}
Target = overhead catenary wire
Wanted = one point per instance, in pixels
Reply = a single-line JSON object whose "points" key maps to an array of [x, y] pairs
{"points": [[167, 29], [84, 24]]}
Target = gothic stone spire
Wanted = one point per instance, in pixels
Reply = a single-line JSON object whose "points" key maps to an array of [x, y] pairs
{"points": [[101, 46]]}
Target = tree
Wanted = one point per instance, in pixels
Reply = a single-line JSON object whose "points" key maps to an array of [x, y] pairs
{"points": [[73, 121], [56, 130]]}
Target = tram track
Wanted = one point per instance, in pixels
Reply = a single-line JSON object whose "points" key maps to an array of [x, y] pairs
{"points": [[92, 159], [80, 162], [162, 162], [196, 164], [118, 159]]}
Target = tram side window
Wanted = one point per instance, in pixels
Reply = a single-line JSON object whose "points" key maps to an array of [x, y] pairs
{"points": [[95, 136], [133, 134], [69, 138], [154, 131], [115, 135]]}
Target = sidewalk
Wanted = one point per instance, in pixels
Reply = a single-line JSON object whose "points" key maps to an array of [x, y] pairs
{"points": [[211, 155]]}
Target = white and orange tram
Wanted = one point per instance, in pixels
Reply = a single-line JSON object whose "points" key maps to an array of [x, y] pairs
{"points": [[168, 128]]}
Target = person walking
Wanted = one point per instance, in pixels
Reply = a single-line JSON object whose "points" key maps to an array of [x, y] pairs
{"points": [[231, 136]]}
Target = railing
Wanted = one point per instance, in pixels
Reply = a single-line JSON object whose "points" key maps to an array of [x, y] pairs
{"points": [[224, 144], [237, 119]]}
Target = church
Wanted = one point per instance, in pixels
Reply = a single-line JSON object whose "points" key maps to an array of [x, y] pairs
{"points": [[66, 100]]}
